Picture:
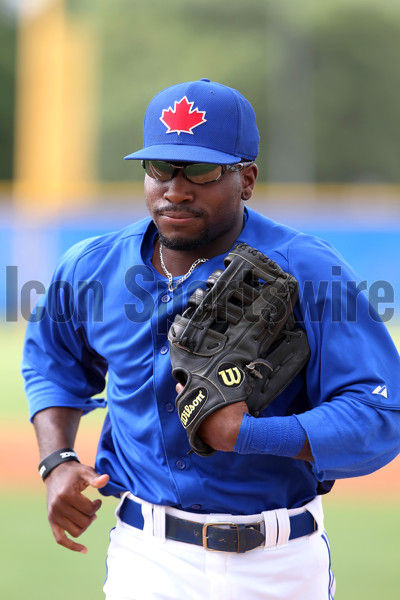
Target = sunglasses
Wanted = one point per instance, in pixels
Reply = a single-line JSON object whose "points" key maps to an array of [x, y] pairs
{"points": [[195, 172]]}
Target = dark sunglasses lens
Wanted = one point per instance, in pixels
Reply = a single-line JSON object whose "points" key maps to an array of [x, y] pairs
{"points": [[158, 169], [195, 172], [203, 172]]}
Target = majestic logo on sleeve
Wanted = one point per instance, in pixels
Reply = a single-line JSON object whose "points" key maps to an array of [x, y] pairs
{"points": [[381, 390], [183, 117]]}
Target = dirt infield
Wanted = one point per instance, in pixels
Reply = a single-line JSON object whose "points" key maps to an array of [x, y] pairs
{"points": [[19, 460]]}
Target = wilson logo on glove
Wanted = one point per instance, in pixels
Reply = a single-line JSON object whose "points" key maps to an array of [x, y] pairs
{"points": [[189, 411], [230, 375]]}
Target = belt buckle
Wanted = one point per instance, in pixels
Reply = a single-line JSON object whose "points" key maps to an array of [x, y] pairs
{"points": [[218, 524]]}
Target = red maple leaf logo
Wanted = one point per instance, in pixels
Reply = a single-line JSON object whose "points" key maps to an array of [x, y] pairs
{"points": [[182, 118]]}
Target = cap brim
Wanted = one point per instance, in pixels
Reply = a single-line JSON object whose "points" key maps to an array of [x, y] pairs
{"points": [[182, 153]]}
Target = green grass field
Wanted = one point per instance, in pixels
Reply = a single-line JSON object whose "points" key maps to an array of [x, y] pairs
{"points": [[364, 534], [365, 547]]}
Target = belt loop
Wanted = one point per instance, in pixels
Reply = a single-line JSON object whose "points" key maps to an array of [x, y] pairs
{"points": [[147, 512], [123, 496], [271, 528], [159, 517], [315, 508], [282, 516]]}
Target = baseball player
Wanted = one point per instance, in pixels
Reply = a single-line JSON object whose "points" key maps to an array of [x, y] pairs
{"points": [[244, 518]]}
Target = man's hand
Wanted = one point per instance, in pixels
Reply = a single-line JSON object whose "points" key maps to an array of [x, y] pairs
{"points": [[221, 428], [70, 511]]}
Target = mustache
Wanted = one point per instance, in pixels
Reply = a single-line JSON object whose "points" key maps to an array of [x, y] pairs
{"points": [[172, 208]]}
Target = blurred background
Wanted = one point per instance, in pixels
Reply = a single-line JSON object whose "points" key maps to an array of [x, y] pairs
{"points": [[75, 79]]}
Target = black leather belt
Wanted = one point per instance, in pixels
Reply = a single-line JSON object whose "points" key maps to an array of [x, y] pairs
{"points": [[222, 536]]}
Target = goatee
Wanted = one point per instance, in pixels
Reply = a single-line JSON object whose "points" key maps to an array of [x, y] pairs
{"points": [[182, 243]]}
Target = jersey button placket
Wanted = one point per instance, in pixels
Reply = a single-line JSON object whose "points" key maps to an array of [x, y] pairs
{"points": [[175, 439]]}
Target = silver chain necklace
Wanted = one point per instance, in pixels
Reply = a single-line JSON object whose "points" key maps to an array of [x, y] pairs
{"points": [[172, 287]]}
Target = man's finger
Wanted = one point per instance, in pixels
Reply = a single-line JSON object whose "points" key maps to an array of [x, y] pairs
{"points": [[62, 539], [73, 520], [100, 481], [91, 478]]}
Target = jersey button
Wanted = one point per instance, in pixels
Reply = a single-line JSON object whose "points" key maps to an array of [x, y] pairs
{"points": [[196, 506], [169, 407], [181, 465], [164, 350]]}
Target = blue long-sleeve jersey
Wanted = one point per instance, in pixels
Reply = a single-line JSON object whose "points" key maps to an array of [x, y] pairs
{"points": [[108, 310]]}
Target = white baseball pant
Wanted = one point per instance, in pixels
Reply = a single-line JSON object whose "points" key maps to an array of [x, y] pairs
{"points": [[144, 565]]}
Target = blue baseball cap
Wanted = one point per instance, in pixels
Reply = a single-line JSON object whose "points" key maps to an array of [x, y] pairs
{"points": [[199, 121]]}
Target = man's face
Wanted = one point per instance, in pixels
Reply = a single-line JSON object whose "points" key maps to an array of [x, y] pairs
{"points": [[189, 215]]}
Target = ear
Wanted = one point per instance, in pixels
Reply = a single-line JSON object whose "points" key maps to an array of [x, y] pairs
{"points": [[249, 176]]}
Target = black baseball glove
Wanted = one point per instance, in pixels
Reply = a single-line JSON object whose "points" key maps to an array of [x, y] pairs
{"points": [[237, 340]]}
